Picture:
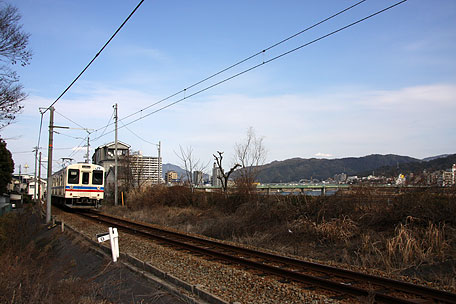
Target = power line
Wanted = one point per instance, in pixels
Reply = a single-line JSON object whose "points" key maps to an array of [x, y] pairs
{"points": [[95, 57], [138, 135], [70, 120], [198, 82], [105, 127], [246, 59], [74, 137], [258, 65], [23, 152], [76, 149]]}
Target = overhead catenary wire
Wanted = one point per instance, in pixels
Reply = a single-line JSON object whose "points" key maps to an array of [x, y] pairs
{"points": [[76, 149], [23, 152], [86, 67], [261, 64], [246, 59], [135, 134], [246, 70], [66, 135], [96, 55], [80, 126], [105, 127], [198, 82]]}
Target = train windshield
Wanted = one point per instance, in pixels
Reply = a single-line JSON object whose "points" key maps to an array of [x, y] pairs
{"points": [[73, 176], [85, 178], [97, 177]]}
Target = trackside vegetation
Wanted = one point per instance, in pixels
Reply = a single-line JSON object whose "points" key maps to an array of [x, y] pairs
{"points": [[27, 275], [411, 234]]}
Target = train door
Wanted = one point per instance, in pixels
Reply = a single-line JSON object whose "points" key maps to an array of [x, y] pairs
{"points": [[85, 178]]}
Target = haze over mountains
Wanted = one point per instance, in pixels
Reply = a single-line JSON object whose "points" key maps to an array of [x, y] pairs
{"points": [[295, 169]]}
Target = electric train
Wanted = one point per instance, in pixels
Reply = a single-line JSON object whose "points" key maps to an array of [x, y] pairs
{"points": [[79, 186]]}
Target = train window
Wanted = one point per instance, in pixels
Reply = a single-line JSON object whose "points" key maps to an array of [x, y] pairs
{"points": [[97, 177], [85, 178], [73, 176]]}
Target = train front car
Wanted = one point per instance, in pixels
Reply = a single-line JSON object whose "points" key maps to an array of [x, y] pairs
{"points": [[80, 186]]}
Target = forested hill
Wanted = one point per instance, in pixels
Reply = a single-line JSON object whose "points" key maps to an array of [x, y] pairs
{"points": [[434, 164], [295, 169]]}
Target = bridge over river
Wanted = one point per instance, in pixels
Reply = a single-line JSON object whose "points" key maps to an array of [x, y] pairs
{"points": [[300, 188]]}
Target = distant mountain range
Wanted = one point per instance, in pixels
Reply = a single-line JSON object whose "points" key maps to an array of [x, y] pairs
{"points": [[436, 157], [429, 164], [295, 169]]}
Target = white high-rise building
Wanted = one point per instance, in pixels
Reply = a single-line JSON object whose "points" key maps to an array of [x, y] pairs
{"points": [[453, 170], [146, 168]]}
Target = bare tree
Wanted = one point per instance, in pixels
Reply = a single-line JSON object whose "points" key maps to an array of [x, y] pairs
{"points": [[224, 175], [250, 154], [191, 164], [13, 49], [126, 177]]}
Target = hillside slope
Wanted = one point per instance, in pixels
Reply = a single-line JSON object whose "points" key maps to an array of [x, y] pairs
{"points": [[296, 169], [435, 164]]}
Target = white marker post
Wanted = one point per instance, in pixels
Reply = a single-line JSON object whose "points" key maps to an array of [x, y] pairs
{"points": [[113, 236]]}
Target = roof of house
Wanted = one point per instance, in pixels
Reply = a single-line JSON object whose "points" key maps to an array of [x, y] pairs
{"points": [[112, 145]]}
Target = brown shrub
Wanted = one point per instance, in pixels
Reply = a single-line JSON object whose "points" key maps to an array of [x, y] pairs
{"points": [[385, 229], [412, 245]]}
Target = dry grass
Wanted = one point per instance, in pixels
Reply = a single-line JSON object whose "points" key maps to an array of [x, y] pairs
{"points": [[393, 232], [24, 267], [411, 246]]}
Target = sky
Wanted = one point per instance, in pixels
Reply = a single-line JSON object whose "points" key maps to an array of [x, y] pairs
{"points": [[384, 86]]}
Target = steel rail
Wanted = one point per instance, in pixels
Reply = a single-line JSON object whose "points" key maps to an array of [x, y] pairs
{"points": [[426, 292]]}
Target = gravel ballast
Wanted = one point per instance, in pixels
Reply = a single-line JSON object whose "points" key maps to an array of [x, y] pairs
{"points": [[229, 283]]}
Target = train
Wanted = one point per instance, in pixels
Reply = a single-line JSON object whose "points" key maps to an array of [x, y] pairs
{"points": [[79, 186]]}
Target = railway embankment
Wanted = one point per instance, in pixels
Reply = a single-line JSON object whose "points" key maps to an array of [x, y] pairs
{"points": [[40, 264], [408, 236]]}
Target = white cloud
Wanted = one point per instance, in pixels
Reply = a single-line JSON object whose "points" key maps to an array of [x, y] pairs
{"points": [[323, 155], [416, 121], [413, 98]]}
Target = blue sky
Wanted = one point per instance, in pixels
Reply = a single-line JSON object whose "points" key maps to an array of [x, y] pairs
{"points": [[386, 85]]}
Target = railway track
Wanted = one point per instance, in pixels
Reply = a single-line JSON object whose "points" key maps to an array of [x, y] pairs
{"points": [[344, 283]]}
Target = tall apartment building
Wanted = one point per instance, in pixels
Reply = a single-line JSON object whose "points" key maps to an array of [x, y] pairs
{"points": [[448, 177], [146, 169], [197, 178], [453, 170], [215, 181]]}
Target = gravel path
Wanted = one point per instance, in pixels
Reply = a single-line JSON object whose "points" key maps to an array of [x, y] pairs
{"points": [[231, 284]]}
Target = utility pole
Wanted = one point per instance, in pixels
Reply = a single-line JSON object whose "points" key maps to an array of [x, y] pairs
{"points": [[49, 168], [115, 159], [36, 159], [88, 149], [39, 180]]}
